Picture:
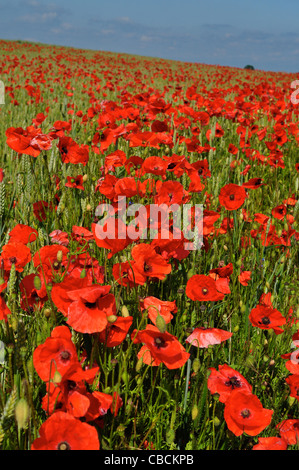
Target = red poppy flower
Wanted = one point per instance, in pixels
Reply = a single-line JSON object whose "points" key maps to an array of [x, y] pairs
{"points": [[289, 431], [112, 235], [31, 298], [244, 277], [15, 253], [170, 192], [267, 318], [293, 383], [22, 140], [70, 393], [154, 166], [40, 209], [204, 337], [114, 160], [203, 288], [56, 353], [115, 333], [270, 443], [163, 347], [4, 310], [157, 307], [253, 183], [149, 264], [22, 233], [71, 152], [279, 212], [232, 196], [75, 182], [59, 237], [244, 413], [123, 274], [59, 291], [225, 380], [222, 277], [90, 307], [61, 431], [47, 260]]}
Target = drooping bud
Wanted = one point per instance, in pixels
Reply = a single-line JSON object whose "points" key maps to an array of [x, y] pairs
{"points": [[125, 311], [160, 323]]}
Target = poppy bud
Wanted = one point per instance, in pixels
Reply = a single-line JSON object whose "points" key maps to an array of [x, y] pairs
{"points": [[194, 412], [216, 421], [57, 377], [85, 178], [47, 312], [83, 273], [139, 364], [236, 329], [121, 429], [125, 311], [112, 318], [22, 413], [37, 282], [196, 365], [170, 436], [59, 256], [160, 323]]}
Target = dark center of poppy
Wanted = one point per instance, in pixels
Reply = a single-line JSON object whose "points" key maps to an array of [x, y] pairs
{"points": [[233, 382], [258, 181], [71, 385], [56, 265], [232, 197], [63, 446], [159, 342], [64, 149], [266, 321], [200, 171], [90, 304], [13, 260], [65, 356], [147, 268], [204, 290], [171, 166], [245, 413]]}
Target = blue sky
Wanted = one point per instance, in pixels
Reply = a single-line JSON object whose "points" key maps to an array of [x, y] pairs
{"points": [[263, 33]]}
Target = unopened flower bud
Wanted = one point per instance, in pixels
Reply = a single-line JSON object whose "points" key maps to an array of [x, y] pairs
{"points": [[160, 323], [37, 283], [59, 256], [125, 311]]}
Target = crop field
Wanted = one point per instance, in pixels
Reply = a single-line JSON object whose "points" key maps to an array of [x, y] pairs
{"points": [[148, 253]]}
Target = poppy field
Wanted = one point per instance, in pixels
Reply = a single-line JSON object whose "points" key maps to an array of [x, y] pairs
{"points": [[139, 342]]}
